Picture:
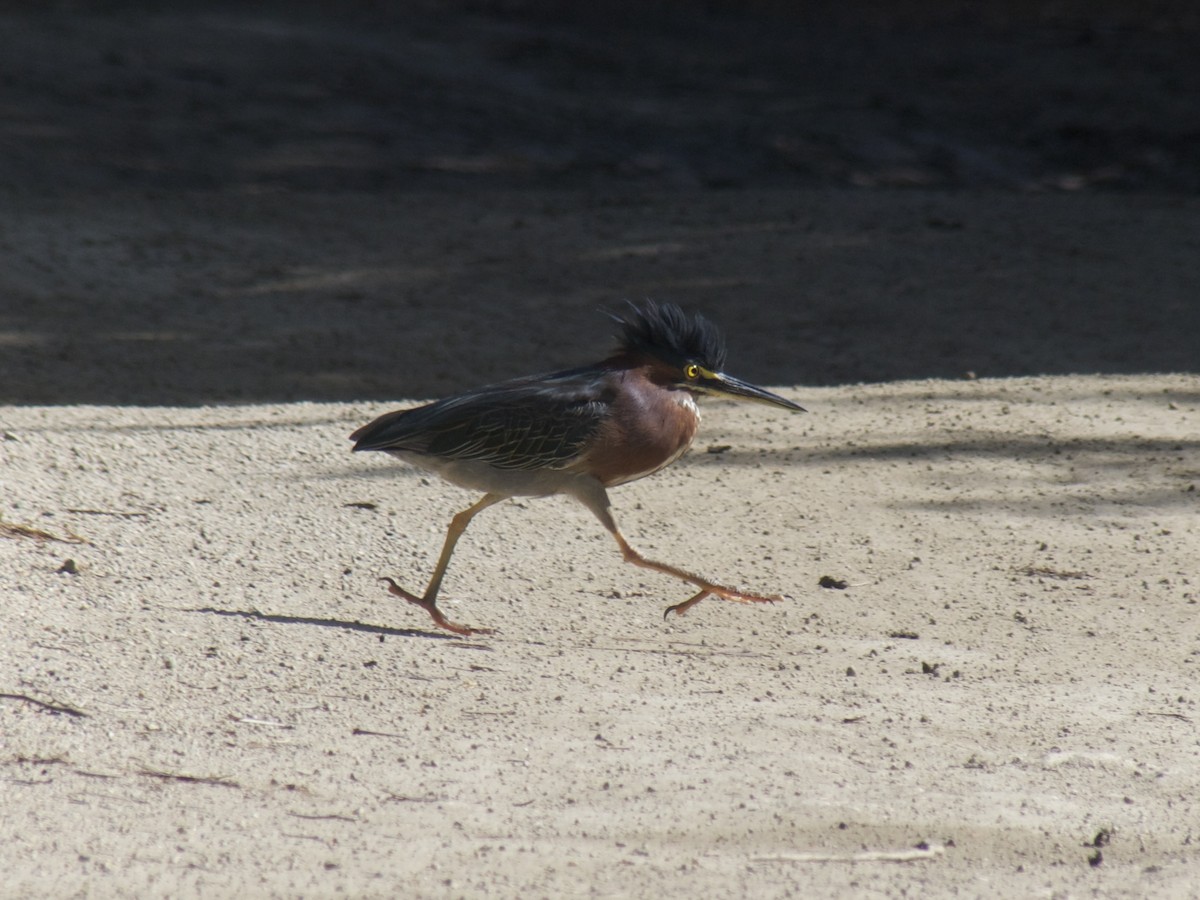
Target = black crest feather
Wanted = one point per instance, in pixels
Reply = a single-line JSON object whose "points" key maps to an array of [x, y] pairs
{"points": [[666, 332]]}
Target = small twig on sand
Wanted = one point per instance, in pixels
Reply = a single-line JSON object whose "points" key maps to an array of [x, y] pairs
{"points": [[218, 780], [1168, 715], [49, 707], [402, 798], [923, 851], [120, 514], [11, 530], [368, 733], [248, 720], [339, 818]]}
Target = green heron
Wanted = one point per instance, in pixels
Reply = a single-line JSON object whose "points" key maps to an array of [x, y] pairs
{"points": [[576, 432]]}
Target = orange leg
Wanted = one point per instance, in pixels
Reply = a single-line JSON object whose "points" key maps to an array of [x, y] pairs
{"points": [[680, 608], [591, 493], [429, 601], [706, 587], [430, 607]]}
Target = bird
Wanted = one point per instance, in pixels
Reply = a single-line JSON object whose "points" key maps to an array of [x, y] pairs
{"points": [[576, 432]]}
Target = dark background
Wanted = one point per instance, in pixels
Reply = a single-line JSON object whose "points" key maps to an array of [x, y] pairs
{"points": [[453, 96], [228, 202]]}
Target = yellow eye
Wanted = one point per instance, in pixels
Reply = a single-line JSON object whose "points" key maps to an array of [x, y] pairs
{"points": [[692, 371]]}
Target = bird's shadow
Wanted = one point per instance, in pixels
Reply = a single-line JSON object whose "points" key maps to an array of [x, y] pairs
{"points": [[255, 615]]}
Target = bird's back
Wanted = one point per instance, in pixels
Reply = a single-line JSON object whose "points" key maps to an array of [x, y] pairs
{"points": [[538, 422]]}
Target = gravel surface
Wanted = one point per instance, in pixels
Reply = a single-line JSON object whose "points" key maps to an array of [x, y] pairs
{"points": [[966, 244]]}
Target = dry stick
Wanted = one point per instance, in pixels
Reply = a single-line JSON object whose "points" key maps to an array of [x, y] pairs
{"points": [[51, 707], [218, 780], [401, 798], [120, 514], [913, 855], [248, 720], [387, 734], [8, 529]]}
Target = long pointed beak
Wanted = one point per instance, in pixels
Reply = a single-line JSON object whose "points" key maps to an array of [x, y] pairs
{"points": [[717, 384]]}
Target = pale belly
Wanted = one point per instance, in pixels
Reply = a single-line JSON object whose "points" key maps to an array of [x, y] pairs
{"points": [[480, 476]]}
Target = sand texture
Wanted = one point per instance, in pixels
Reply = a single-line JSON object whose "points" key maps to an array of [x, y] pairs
{"points": [[969, 249]]}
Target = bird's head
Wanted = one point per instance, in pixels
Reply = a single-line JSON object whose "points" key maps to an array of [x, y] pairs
{"points": [[689, 351]]}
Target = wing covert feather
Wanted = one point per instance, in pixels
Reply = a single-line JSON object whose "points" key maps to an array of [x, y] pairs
{"points": [[532, 423]]}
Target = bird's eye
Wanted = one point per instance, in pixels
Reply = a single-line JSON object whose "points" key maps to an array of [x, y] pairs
{"points": [[692, 371]]}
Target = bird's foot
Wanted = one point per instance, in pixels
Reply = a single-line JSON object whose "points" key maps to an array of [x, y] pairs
{"points": [[742, 597], [680, 608], [430, 607], [724, 593]]}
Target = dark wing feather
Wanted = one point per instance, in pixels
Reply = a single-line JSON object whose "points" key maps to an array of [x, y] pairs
{"points": [[543, 422]]}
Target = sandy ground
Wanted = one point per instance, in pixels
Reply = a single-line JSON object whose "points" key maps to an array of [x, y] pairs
{"points": [[223, 700], [229, 239]]}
